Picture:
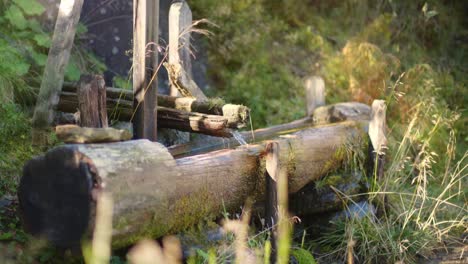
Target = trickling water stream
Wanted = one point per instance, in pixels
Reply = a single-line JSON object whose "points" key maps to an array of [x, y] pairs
{"points": [[238, 136]]}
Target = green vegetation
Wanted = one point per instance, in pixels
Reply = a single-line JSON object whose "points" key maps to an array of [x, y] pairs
{"points": [[25, 41], [413, 54]]}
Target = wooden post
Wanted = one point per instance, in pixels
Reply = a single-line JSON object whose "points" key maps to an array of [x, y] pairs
{"points": [[271, 199], [92, 101], [59, 53], [315, 93], [377, 147], [145, 30], [377, 137], [151, 100], [180, 21], [276, 205]]}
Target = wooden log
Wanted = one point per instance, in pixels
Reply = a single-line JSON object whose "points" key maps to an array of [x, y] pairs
{"points": [[193, 122], [76, 134], [120, 108], [92, 101], [167, 118], [59, 53], [153, 193], [315, 93], [322, 115]]}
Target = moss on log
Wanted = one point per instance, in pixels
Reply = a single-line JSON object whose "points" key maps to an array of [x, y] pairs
{"points": [[155, 194]]}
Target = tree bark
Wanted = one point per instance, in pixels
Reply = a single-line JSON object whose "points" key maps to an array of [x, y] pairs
{"points": [[59, 53], [92, 101], [155, 194]]}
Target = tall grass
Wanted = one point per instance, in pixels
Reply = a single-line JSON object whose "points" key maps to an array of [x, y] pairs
{"points": [[426, 201]]}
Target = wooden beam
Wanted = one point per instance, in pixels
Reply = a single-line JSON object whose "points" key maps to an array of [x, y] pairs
{"points": [[52, 80]]}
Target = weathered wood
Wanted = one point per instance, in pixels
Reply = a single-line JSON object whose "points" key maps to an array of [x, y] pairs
{"points": [[378, 140], [155, 194], [120, 101], [76, 134], [144, 87], [377, 148], [193, 122], [315, 93], [179, 79], [180, 22], [151, 101], [167, 117], [322, 115], [377, 126], [272, 170], [92, 101], [52, 80], [340, 112]]}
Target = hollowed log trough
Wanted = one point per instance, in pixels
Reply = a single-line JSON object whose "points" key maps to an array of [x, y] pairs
{"points": [[155, 194]]}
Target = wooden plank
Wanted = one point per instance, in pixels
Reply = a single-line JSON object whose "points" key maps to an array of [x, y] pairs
{"points": [[52, 80], [315, 93]]}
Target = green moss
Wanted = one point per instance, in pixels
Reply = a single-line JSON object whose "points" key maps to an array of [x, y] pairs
{"points": [[303, 256]]}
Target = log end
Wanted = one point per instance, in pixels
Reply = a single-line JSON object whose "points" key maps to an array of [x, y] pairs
{"points": [[55, 196]]}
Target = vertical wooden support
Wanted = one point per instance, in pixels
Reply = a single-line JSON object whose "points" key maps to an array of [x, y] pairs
{"points": [[315, 93], [92, 101], [151, 100], [377, 137], [145, 31], [180, 21], [377, 147], [52, 80], [276, 205]]}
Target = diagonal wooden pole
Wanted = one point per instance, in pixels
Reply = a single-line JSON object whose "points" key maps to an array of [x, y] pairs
{"points": [[52, 80]]}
